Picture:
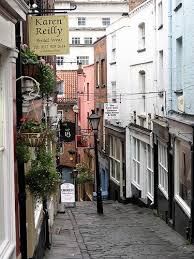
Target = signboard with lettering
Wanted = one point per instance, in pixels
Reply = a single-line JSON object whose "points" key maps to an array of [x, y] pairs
{"points": [[82, 141], [67, 131], [67, 193], [111, 111], [48, 35]]}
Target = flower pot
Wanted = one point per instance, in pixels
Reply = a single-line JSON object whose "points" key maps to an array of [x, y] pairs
{"points": [[30, 70]]}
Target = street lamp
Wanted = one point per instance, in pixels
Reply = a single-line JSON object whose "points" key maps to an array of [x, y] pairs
{"points": [[94, 120]]}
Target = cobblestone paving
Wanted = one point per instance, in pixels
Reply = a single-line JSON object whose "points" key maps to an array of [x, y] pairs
{"points": [[124, 231]]}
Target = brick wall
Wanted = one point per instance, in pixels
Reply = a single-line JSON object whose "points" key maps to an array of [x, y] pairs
{"points": [[134, 3]]}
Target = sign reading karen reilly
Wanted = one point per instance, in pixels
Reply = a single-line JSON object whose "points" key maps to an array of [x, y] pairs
{"points": [[48, 35]]}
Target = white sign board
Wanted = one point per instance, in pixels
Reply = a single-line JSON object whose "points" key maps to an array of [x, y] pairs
{"points": [[67, 192], [111, 111]]}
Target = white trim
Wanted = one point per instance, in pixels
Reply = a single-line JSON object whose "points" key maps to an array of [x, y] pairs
{"points": [[163, 191], [149, 195], [136, 185], [183, 205]]}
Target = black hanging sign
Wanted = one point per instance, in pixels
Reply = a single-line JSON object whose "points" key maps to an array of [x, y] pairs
{"points": [[67, 131]]}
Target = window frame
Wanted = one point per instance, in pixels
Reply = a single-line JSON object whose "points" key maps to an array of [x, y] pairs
{"points": [[160, 15], [81, 21], [141, 37], [163, 168], [114, 159], [114, 91], [136, 164], [88, 40], [105, 21], [84, 60], [150, 171], [60, 60], [75, 41]]}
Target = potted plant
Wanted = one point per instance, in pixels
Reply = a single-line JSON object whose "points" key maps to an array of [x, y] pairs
{"points": [[29, 60], [85, 174], [46, 78], [42, 180]]}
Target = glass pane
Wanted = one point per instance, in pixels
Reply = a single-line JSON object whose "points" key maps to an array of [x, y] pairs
{"points": [[113, 168], [134, 147], [149, 182], [185, 174], [138, 173], [134, 171], [118, 171], [117, 149], [138, 150]]}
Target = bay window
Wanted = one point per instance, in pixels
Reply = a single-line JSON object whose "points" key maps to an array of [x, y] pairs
{"points": [[163, 168], [115, 158]]}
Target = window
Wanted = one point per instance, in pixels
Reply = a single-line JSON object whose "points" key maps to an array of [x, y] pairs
{"points": [[113, 42], [88, 91], [150, 175], [81, 21], [179, 63], [105, 21], [88, 40], [103, 72], [160, 15], [114, 92], [60, 61], [136, 160], [142, 87], [163, 168], [60, 114], [84, 60], [97, 74], [184, 177], [161, 72], [75, 40], [141, 36], [115, 158]]}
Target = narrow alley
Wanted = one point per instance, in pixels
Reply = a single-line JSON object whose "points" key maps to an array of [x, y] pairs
{"points": [[124, 231]]}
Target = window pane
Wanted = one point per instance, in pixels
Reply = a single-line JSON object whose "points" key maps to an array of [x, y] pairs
{"points": [[138, 150], [134, 171], [138, 173], [118, 149], [118, 171], [185, 173]]}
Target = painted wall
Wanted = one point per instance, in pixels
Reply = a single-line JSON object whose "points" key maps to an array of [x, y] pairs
{"points": [[182, 26]]}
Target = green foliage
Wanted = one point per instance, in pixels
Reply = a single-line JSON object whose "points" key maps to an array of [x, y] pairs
{"points": [[42, 179], [84, 173], [28, 56], [46, 78], [32, 126], [22, 152]]}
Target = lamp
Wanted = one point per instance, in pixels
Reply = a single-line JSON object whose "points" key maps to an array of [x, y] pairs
{"points": [[94, 120]]}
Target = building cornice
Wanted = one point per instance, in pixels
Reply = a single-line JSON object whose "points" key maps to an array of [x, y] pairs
{"points": [[140, 7], [14, 10]]}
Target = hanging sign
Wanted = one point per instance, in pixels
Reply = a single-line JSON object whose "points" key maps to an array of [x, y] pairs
{"points": [[67, 131], [67, 193], [48, 35], [111, 111]]}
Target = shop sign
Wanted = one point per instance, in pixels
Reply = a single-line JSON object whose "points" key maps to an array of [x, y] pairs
{"points": [[67, 193], [48, 35], [111, 111], [67, 131]]}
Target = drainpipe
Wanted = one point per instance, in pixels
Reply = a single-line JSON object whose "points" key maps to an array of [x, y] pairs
{"points": [[169, 108], [192, 189], [21, 173]]}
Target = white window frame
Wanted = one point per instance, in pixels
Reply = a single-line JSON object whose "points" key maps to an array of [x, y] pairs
{"points": [[60, 114], [105, 21], [163, 168], [88, 40], [114, 91], [84, 60], [81, 21], [60, 60], [75, 40], [141, 36], [178, 199], [136, 164], [114, 159], [150, 172], [142, 87]]}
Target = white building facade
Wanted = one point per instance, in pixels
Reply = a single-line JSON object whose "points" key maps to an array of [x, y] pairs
{"points": [[87, 24]]}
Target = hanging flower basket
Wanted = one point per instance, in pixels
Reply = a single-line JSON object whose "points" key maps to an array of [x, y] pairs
{"points": [[33, 139], [30, 70]]}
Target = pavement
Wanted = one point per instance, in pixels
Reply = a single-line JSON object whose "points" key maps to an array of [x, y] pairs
{"points": [[124, 231]]}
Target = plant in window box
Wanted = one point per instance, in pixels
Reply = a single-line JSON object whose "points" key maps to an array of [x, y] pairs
{"points": [[46, 78], [33, 133], [29, 60], [42, 180]]}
